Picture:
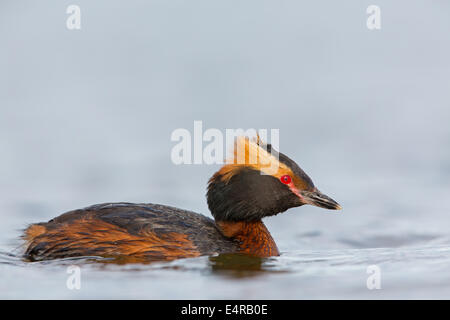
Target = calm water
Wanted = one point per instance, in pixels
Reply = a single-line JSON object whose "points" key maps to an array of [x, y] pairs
{"points": [[86, 117]]}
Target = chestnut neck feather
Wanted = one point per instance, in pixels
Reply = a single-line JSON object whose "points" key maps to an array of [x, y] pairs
{"points": [[252, 236]]}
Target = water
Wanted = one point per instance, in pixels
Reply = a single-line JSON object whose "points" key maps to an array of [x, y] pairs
{"points": [[86, 117], [408, 273]]}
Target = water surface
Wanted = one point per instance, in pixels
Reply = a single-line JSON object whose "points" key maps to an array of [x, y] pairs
{"points": [[86, 117]]}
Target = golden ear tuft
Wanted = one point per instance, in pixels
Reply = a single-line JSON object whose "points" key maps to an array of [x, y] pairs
{"points": [[253, 153], [258, 140]]}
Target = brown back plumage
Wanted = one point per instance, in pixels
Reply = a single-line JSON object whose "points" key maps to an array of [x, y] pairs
{"points": [[142, 231]]}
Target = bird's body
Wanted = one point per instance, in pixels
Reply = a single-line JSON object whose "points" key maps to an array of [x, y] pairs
{"points": [[143, 231], [239, 196]]}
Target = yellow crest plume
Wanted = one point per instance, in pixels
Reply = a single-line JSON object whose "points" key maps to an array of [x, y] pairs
{"points": [[253, 153]]}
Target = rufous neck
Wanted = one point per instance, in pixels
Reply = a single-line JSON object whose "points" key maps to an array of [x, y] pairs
{"points": [[253, 237]]}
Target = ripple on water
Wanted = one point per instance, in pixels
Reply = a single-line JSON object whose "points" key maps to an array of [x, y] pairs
{"points": [[322, 273]]}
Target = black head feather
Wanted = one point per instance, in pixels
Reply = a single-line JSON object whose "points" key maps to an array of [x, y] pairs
{"points": [[248, 196]]}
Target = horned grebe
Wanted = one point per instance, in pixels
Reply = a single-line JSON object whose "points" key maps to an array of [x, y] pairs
{"points": [[239, 196]]}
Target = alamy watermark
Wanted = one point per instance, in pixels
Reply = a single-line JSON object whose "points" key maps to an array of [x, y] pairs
{"points": [[374, 19], [74, 280], [210, 146], [374, 280], [73, 21]]}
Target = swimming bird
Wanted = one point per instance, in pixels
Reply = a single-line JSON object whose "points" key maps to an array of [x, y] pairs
{"points": [[256, 183]]}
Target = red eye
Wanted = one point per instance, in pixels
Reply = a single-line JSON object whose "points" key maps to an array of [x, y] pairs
{"points": [[286, 179]]}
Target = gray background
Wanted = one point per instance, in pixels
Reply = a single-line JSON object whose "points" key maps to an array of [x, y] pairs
{"points": [[86, 117]]}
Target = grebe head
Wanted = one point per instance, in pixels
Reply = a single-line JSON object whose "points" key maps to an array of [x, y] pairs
{"points": [[260, 182]]}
